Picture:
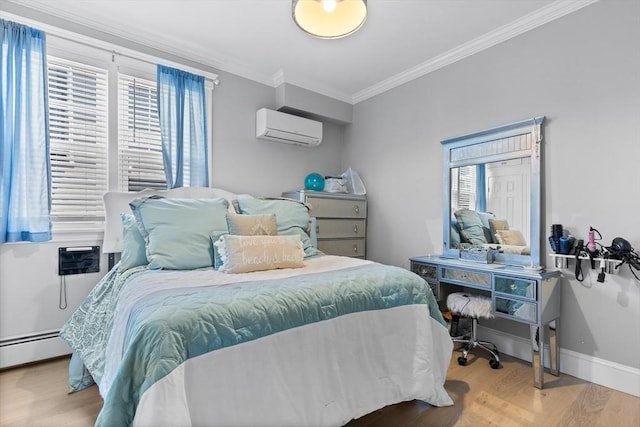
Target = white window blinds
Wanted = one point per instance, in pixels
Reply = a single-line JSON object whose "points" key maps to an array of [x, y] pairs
{"points": [[139, 145], [463, 183], [78, 131]]}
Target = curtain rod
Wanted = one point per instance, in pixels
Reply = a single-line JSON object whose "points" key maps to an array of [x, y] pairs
{"points": [[95, 43], [152, 60]]}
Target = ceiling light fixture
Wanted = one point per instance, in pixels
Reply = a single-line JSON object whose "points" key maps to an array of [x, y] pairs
{"points": [[329, 19]]}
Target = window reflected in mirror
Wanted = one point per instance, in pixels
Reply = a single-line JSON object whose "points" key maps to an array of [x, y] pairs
{"points": [[464, 187]]}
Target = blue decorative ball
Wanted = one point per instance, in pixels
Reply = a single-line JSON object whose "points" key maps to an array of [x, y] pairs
{"points": [[314, 181]]}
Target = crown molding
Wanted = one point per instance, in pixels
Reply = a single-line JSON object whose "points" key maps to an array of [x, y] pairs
{"points": [[173, 47], [121, 35], [533, 20]]}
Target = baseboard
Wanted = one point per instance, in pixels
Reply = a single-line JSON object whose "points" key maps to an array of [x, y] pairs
{"points": [[598, 371], [32, 351]]}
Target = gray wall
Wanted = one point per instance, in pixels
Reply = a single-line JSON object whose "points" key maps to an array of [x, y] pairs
{"points": [[582, 72], [244, 164]]}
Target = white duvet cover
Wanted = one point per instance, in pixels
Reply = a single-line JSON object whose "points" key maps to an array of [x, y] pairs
{"points": [[323, 374]]}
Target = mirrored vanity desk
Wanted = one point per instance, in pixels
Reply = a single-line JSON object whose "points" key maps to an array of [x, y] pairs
{"points": [[492, 201], [517, 293]]}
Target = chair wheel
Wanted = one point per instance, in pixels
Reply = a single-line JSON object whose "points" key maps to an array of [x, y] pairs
{"points": [[493, 363], [462, 361]]}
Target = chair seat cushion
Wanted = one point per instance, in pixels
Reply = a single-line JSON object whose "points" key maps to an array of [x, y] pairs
{"points": [[469, 305]]}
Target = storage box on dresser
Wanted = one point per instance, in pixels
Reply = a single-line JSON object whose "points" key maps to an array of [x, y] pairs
{"points": [[341, 221]]}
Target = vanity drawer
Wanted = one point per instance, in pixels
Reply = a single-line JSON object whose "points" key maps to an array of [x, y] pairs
{"points": [[337, 208], [465, 277], [345, 247], [515, 309], [340, 228], [522, 288], [428, 272]]}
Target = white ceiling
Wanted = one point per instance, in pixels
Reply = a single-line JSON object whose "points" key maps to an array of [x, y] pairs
{"points": [[257, 39]]}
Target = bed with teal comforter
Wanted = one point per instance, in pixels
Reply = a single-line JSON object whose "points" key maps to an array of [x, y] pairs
{"points": [[200, 347]]}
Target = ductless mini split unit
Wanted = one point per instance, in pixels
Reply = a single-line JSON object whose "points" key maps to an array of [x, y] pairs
{"points": [[282, 127]]}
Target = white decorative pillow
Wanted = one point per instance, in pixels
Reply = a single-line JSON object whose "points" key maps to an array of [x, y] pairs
{"points": [[511, 237], [252, 225], [245, 225], [496, 224], [243, 254]]}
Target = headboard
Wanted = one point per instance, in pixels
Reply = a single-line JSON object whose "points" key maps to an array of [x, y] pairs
{"points": [[116, 202]]}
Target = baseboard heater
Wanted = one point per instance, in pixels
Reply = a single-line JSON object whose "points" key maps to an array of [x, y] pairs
{"points": [[34, 347], [29, 338]]}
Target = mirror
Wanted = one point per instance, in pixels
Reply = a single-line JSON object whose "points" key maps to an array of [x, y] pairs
{"points": [[491, 193]]}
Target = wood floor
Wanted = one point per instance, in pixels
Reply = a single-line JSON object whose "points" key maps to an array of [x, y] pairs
{"points": [[36, 395]]}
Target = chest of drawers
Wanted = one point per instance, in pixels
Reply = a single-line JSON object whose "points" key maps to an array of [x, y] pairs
{"points": [[341, 221]]}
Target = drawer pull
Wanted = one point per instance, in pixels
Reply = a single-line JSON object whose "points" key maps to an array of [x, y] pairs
{"points": [[355, 249], [357, 209], [513, 287], [317, 229], [355, 229]]}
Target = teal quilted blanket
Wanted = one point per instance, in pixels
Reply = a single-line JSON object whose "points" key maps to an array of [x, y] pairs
{"points": [[169, 326]]}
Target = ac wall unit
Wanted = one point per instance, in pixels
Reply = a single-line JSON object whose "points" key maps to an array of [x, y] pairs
{"points": [[282, 127]]}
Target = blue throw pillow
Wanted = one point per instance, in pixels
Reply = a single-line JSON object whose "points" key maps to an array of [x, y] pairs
{"points": [[177, 231], [134, 252], [471, 228], [292, 217]]}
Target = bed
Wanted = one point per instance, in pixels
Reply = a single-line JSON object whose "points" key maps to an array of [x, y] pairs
{"points": [[193, 327]]}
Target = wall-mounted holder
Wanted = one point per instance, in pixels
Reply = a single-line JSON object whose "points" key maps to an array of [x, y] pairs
{"points": [[562, 262]]}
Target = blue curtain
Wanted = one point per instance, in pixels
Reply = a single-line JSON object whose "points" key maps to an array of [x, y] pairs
{"points": [[183, 127], [25, 173], [481, 188]]}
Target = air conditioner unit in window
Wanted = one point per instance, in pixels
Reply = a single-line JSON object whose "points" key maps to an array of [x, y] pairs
{"points": [[282, 127]]}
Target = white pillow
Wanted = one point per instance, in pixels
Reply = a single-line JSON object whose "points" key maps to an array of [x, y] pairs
{"points": [[510, 237], [244, 254]]}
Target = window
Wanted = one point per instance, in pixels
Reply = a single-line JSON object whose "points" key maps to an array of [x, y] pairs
{"points": [[105, 132], [140, 161], [79, 123], [78, 128]]}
